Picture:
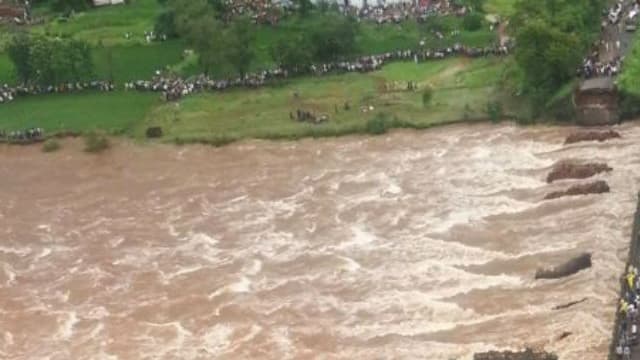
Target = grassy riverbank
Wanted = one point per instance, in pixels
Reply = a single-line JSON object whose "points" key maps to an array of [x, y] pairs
{"points": [[462, 88]]}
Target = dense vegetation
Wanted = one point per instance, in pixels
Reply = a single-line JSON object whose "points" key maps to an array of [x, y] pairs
{"points": [[46, 61], [552, 38]]}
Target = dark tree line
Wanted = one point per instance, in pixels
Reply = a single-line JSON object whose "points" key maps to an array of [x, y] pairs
{"points": [[222, 42]]}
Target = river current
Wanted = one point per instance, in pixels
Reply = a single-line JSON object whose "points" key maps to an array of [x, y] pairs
{"points": [[411, 245]]}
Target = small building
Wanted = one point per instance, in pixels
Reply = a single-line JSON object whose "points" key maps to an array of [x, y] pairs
{"points": [[596, 102]]}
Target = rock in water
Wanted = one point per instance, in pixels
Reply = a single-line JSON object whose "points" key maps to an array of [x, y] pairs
{"points": [[573, 170], [580, 262], [510, 355], [591, 136], [154, 132], [597, 187]]}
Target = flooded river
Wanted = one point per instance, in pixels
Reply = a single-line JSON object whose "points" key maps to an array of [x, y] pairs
{"points": [[412, 245]]}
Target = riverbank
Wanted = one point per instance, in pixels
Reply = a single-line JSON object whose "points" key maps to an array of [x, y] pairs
{"points": [[461, 91]]}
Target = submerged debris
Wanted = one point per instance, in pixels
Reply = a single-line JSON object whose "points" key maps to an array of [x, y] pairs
{"points": [[597, 187], [573, 170], [591, 136], [572, 266]]}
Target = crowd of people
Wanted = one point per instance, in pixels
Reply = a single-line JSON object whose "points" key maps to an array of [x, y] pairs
{"points": [[629, 305], [26, 135], [592, 67], [272, 11], [606, 58], [10, 93], [173, 87], [396, 12]]}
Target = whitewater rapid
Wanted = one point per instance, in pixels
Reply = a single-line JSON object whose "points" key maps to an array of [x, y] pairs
{"points": [[408, 245]]}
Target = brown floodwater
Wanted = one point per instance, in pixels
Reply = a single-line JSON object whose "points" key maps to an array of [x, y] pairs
{"points": [[408, 245]]}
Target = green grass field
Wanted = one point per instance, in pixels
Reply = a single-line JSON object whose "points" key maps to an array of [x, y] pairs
{"points": [[114, 112], [136, 62], [462, 88]]}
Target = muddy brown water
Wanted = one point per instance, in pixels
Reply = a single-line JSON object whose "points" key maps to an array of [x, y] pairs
{"points": [[409, 245]]}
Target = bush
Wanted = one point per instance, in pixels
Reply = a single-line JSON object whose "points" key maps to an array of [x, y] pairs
{"points": [[494, 110], [95, 142], [166, 24], [472, 22], [427, 95], [377, 125], [50, 145]]}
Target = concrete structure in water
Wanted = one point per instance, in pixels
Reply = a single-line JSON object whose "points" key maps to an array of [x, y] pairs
{"points": [[596, 102]]}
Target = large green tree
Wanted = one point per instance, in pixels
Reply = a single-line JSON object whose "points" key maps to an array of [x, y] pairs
{"points": [[552, 37]]}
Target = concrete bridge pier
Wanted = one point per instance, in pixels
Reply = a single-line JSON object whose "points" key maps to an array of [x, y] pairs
{"points": [[596, 102]]}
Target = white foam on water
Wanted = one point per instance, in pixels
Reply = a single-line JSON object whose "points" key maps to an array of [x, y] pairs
{"points": [[166, 278], [8, 338], [241, 286], [350, 264], [11, 274], [97, 313], [282, 338], [44, 253], [65, 329], [360, 238], [115, 242], [22, 252], [216, 340], [254, 268]]}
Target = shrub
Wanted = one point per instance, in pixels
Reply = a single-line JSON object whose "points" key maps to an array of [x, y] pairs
{"points": [[50, 145], [427, 95], [166, 24], [472, 22], [494, 110], [95, 142], [377, 125]]}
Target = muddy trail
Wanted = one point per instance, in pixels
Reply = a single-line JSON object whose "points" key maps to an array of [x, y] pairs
{"points": [[408, 245]]}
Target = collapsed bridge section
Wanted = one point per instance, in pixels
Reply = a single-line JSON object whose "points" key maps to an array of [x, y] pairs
{"points": [[596, 102]]}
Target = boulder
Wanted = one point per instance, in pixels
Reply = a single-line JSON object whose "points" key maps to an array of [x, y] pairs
{"points": [[527, 354], [597, 187], [154, 132], [572, 266], [573, 170], [591, 136]]}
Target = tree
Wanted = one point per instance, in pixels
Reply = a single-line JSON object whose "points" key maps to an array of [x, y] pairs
{"points": [[304, 7], [166, 24], [332, 38], [294, 53], [18, 50], [196, 21], [50, 61], [552, 36], [238, 49], [472, 21]]}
